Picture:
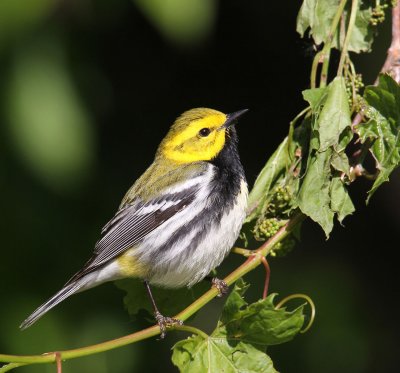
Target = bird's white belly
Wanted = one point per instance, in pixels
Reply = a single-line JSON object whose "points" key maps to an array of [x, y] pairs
{"points": [[178, 269]]}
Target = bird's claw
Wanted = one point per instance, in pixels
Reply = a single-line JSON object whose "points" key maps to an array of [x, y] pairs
{"points": [[221, 286], [165, 322]]}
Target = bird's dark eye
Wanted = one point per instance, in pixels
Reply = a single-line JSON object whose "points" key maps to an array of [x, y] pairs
{"points": [[204, 132]]}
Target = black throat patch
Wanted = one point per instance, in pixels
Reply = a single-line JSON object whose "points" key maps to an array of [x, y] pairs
{"points": [[228, 170]]}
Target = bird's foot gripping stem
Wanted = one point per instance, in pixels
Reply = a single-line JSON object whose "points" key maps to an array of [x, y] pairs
{"points": [[165, 322], [220, 285]]}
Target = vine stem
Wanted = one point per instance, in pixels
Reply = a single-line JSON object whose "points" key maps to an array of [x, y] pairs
{"points": [[392, 63], [11, 366], [324, 55], [310, 303], [190, 329], [252, 262], [352, 21], [267, 276]]}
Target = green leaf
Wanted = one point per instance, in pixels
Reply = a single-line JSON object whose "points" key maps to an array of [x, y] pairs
{"points": [[241, 337], [314, 195], [315, 97], [340, 162], [331, 116], [281, 170], [322, 139], [340, 199], [316, 16], [335, 115], [344, 139], [331, 133], [198, 355], [258, 323], [235, 301], [383, 127], [363, 31], [273, 169], [169, 301], [261, 324]]}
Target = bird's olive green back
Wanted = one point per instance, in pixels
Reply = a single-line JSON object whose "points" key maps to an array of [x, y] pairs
{"points": [[181, 154], [160, 176]]}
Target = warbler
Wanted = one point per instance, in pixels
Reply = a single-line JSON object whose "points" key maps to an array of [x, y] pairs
{"points": [[179, 219]]}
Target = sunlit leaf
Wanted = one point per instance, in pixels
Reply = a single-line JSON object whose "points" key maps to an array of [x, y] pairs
{"points": [[314, 196], [238, 343], [315, 18], [197, 355], [383, 127], [322, 193], [335, 115], [341, 202], [315, 97], [340, 162], [260, 323], [273, 169]]}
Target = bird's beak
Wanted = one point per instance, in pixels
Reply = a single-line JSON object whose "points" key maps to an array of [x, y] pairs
{"points": [[232, 118]]}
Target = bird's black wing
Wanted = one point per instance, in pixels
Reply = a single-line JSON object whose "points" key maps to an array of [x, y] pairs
{"points": [[132, 224]]}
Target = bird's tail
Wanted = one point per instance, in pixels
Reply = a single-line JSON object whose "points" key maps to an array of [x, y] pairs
{"points": [[64, 293]]}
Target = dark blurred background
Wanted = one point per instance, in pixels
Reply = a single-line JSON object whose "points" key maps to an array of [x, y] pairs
{"points": [[88, 89]]}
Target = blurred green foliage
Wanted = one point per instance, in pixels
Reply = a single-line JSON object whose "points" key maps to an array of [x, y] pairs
{"points": [[183, 22], [18, 16], [48, 125]]}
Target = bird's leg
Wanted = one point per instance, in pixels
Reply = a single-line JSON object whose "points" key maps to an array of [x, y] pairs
{"points": [[220, 285], [162, 321]]}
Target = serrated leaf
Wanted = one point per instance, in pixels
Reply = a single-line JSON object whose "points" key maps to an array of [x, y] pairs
{"points": [[199, 355], [340, 200], [235, 301], [331, 116], [335, 115], [344, 139], [275, 167], [363, 31], [385, 97], [261, 324], [331, 133], [282, 169], [314, 196], [258, 323], [317, 16], [315, 97], [340, 162], [169, 301], [383, 127], [242, 334]]}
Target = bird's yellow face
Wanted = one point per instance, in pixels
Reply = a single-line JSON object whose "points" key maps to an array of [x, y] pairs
{"points": [[197, 135]]}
